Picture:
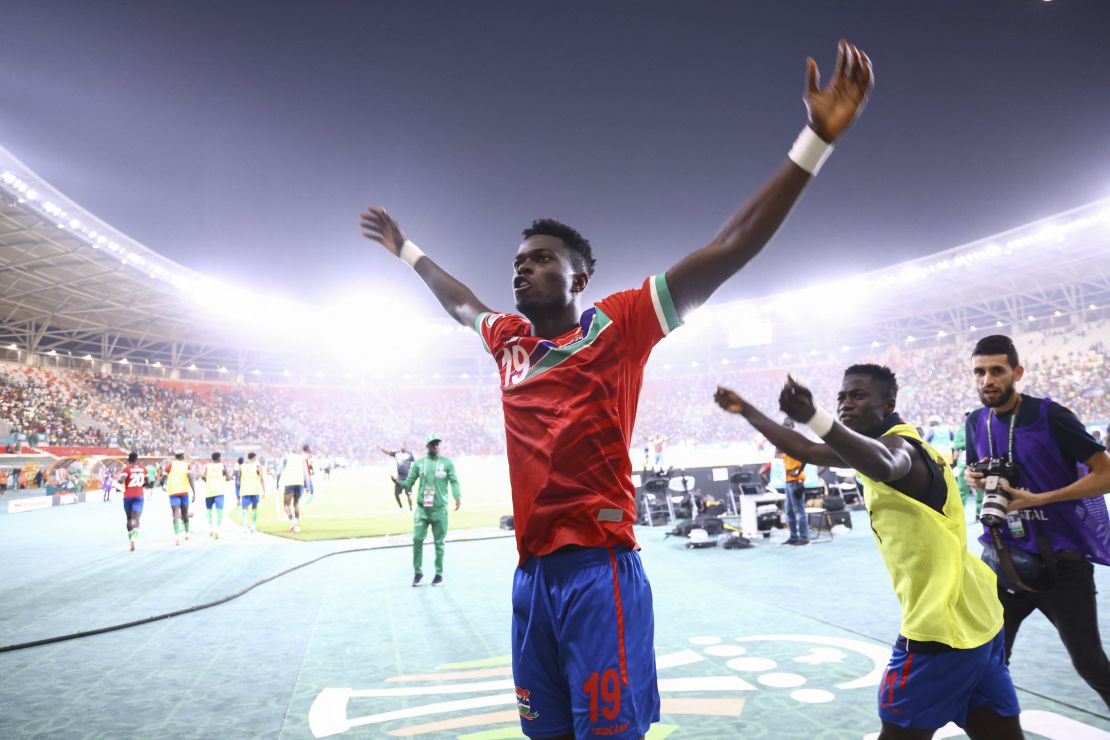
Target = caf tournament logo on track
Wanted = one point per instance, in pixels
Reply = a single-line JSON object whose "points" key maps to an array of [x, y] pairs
{"points": [[524, 703]]}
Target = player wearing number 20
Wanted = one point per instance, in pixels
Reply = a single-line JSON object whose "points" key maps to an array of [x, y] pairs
{"points": [[583, 627], [133, 478]]}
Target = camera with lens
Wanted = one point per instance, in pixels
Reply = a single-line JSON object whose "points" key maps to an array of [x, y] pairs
{"points": [[998, 472]]}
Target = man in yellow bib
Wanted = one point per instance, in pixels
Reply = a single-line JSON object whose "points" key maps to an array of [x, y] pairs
{"points": [[179, 485], [948, 664]]}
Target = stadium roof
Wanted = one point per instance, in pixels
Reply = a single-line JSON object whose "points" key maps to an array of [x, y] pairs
{"points": [[73, 285]]}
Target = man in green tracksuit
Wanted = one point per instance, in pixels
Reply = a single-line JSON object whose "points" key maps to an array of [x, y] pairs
{"points": [[434, 472]]}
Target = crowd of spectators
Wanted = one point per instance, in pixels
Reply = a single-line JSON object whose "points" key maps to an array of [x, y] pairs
{"points": [[41, 406]]}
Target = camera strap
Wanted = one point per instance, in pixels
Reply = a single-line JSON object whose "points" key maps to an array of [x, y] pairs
{"points": [[1010, 440], [1006, 561]]}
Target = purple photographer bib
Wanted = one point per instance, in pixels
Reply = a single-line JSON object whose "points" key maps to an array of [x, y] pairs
{"points": [[1081, 525]]}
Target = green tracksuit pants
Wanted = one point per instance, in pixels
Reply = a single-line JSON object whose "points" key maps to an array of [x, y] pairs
{"points": [[436, 518]]}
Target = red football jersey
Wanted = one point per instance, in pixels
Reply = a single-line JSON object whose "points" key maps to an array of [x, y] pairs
{"points": [[570, 405], [134, 480]]}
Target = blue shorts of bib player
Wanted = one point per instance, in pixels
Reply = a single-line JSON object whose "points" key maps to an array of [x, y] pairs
{"points": [[133, 505], [583, 645], [928, 687]]}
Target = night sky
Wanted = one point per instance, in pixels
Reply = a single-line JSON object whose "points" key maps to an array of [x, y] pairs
{"points": [[243, 138]]}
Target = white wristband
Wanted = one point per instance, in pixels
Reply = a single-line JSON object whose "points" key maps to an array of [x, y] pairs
{"points": [[821, 422], [810, 151], [410, 253]]}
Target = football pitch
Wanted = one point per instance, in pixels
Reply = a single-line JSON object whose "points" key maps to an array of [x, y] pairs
{"points": [[359, 502]]}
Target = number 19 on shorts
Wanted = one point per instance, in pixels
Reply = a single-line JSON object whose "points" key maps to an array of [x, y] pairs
{"points": [[604, 693]]}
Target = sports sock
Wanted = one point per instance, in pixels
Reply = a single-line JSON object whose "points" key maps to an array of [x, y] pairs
{"points": [[219, 517], [177, 526]]}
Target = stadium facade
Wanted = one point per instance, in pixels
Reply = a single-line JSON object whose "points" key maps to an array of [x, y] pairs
{"points": [[77, 292]]}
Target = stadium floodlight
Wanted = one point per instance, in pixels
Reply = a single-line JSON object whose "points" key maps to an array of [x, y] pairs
{"points": [[464, 376], [1029, 318], [1092, 307], [124, 361], [12, 345], [285, 373], [1057, 313], [53, 353], [222, 369], [910, 339], [193, 367], [875, 343], [973, 327], [725, 361], [941, 334], [256, 371], [998, 323], [157, 363], [87, 357]]}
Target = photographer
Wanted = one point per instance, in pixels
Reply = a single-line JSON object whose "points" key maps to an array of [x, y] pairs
{"points": [[1057, 525]]}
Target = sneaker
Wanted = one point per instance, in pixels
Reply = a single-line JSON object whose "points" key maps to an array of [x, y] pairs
{"points": [[417, 578], [177, 540], [132, 545], [215, 535], [437, 581], [791, 541], [211, 534], [296, 528], [801, 543]]}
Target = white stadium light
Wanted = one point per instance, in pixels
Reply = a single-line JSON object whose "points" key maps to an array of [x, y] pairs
{"points": [[124, 361], [193, 367], [222, 369]]}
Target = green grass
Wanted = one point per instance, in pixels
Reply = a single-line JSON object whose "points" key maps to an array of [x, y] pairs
{"points": [[359, 503]]}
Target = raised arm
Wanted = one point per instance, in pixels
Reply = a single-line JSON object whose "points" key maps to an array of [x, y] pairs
{"points": [[831, 111], [457, 299], [787, 440], [883, 459]]}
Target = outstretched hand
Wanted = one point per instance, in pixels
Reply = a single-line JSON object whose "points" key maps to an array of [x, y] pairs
{"points": [[729, 400], [377, 225], [796, 401], [832, 110]]}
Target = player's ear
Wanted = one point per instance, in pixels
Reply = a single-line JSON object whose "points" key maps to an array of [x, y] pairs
{"points": [[579, 282]]}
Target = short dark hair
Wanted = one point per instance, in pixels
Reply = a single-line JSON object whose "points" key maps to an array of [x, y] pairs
{"points": [[251, 456], [575, 242], [132, 457], [997, 344], [881, 373], [215, 457]]}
